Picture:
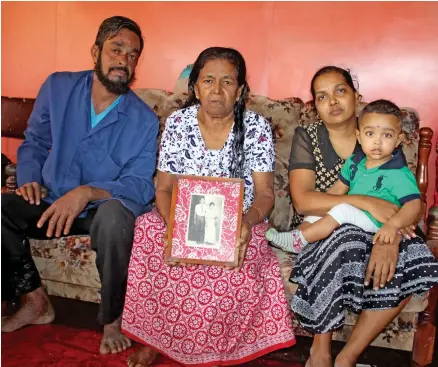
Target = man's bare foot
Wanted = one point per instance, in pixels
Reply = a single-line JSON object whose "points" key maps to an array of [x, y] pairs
{"points": [[113, 340], [35, 309], [142, 357]]}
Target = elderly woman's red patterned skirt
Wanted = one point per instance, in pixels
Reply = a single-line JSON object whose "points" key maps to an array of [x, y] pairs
{"points": [[205, 315]]}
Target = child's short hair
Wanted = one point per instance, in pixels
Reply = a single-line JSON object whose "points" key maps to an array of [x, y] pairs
{"points": [[384, 107]]}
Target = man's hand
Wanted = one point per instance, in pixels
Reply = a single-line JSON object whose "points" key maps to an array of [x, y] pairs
{"points": [[382, 263], [63, 211], [386, 234], [32, 192]]}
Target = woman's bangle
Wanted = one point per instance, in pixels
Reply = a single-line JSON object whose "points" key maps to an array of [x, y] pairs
{"points": [[259, 211]]}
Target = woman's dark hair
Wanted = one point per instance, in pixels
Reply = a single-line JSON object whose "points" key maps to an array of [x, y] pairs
{"points": [[235, 58], [111, 26], [333, 69]]}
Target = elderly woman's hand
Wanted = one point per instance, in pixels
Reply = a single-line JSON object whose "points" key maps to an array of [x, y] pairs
{"points": [[166, 243], [242, 243]]}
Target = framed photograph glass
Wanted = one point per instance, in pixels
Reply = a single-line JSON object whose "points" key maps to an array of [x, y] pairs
{"points": [[205, 220]]}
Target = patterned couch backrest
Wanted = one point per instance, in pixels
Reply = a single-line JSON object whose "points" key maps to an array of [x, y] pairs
{"points": [[283, 115]]}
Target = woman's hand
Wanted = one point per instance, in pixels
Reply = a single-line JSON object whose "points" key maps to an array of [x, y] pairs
{"points": [[381, 210], [408, 232], [382, 263], [166, 243], [242, 243]]}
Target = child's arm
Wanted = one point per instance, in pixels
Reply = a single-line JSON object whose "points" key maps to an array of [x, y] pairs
{"points": [[403, 218], [406, 215], [338, 188]]}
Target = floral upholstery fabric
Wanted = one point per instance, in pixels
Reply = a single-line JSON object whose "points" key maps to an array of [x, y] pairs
{"points": [[283, 115], [67, 260], [67, 265]]}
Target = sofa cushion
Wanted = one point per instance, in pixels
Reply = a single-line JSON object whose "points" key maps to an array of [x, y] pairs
{"points": [[66, 260]]}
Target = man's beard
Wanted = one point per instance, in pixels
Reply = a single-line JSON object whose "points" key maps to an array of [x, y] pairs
{"points": [[115, 87]]}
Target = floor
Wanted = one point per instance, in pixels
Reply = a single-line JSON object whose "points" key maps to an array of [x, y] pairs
{"points": [[81, 315]]}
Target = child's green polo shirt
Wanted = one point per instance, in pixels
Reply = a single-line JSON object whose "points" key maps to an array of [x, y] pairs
{"points": [[392, 181]]}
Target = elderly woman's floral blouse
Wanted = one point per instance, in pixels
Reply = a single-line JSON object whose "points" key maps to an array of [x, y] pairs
{"points": [[183, 151]]}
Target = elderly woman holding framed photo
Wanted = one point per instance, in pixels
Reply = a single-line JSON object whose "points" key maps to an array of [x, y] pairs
{"points": [[202, 314]]}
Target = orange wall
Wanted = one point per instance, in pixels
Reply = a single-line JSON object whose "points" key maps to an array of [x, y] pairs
{"points": [[391, 46]]}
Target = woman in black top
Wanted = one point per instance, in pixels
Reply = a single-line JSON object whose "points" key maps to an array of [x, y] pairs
{"points": [[332, 274]]}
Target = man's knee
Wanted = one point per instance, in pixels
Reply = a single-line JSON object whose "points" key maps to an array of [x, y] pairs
{"points": [[10, 210], [9, 200], [113, 217]]}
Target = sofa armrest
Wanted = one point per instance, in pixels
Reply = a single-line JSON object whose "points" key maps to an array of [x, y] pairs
{"points": [[11, 180], [432, 228], [425, 145], [432, 218]]}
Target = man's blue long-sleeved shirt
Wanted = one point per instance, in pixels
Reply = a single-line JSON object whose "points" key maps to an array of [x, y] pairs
{"points": [[62, 151]]}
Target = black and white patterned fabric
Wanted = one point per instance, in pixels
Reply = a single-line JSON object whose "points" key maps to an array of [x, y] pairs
{"points": [[326, 174], [183, 151], [330, 273], [330, 277]]}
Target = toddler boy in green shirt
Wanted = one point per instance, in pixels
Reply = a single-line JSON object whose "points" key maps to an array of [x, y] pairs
{"points": [[379, 171]]}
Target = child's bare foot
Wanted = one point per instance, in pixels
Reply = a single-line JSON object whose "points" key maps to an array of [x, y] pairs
{"points": [[35, 309], [142, 357], [113, 341]]}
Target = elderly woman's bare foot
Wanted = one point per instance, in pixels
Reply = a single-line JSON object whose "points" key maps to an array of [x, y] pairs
{"points": [[113, 341], [319, 360], [343, 360], [142, 357], [35, 309]]}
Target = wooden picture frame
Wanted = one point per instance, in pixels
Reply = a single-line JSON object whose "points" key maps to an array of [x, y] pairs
{"points": [[205, 220]]}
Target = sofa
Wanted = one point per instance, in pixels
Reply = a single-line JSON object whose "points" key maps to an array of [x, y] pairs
{"points": [[67, 265]]}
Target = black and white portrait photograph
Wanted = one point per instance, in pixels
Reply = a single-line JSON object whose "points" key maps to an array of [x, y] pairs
{"points": [[205, 220]]}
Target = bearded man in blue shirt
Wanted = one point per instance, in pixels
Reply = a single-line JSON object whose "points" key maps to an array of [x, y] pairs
{"points": [[85, 167]]}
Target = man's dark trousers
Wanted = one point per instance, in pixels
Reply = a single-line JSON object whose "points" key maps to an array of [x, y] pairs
{"points": [[111, 228]]}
